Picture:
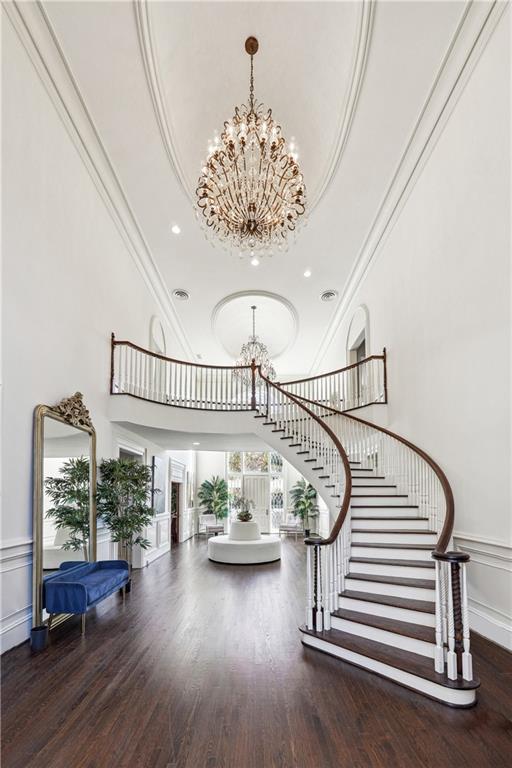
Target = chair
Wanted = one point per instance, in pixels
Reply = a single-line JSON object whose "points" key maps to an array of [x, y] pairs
{"points": [[208, 525], [291, 524]]}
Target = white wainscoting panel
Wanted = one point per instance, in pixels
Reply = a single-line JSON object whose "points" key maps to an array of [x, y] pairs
{"points": [[16, 575], [489, 586]]}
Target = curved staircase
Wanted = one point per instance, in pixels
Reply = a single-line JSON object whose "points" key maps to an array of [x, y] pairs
{"points": [[383, 592]]}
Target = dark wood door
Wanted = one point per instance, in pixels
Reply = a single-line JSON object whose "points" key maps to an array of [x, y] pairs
{"points": [[175, 513]]}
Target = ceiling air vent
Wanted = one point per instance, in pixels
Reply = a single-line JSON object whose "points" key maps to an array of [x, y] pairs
{"points": [[181, 294], [328, 295]]}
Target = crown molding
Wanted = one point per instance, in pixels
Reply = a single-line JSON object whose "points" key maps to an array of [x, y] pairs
{"points": [[149, 53], [33, 27], [473, 32]]}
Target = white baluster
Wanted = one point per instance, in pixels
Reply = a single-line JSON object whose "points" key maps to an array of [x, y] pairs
{"points": [[439, 651], [319, 595], [309, 578], [327, 587], [467, 662]]}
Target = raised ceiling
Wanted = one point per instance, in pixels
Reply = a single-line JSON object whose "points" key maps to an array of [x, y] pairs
{"points": [[347, 80]]}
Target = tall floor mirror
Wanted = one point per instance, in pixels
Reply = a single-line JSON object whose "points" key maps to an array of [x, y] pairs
{"points": [[64, 497]]}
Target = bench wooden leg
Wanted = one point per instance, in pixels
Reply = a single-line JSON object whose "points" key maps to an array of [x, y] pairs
{"points": [[83, 623], [50, 619]]}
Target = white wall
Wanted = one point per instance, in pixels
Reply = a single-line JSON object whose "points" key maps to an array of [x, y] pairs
{"points": [[68, 281], [438, 294]]}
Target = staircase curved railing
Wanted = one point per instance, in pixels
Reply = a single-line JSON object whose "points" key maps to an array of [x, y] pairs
{"points": [[414, 472], [421, 478], [354, 386]]}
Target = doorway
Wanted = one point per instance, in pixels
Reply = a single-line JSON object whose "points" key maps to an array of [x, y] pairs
{"points": [[175, 513], [257, 488]]}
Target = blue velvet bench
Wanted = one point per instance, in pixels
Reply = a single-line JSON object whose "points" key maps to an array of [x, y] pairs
{"points": [[76, 587]]}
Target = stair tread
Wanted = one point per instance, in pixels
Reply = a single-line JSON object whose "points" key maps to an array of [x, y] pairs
{"points": [[374, 485], [411, 604], [400, 581], [413, 663], [383, 506], [379, 517], [386, 561], [393, 530], [416, 631], [383, 545], [378, 495]]}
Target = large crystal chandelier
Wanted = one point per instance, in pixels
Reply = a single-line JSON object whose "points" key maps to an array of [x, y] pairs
{"points": [[257, 351], [251, 192]]}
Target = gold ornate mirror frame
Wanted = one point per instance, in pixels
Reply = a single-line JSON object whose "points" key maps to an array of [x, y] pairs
{"points": [[72, 411]]}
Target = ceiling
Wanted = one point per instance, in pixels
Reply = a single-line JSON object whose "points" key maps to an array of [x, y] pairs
{"points": [[347, 80]]}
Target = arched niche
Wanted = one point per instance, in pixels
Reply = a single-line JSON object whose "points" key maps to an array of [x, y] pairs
{"points": [[358, 335], [157, 342]]}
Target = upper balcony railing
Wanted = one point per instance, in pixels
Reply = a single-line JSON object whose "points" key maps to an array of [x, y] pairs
{"points": [[346, 389]]}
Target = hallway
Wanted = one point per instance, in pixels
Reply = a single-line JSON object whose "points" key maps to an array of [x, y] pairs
{"points": [[203, 667]]}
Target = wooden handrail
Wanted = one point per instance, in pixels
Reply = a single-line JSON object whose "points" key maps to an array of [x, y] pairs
{"points": [[339, 370], [158, 356], [446, 532], [345, 504]]}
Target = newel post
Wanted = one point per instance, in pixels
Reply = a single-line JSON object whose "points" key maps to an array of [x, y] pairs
{"points": [[253, 384], [458, 656]]}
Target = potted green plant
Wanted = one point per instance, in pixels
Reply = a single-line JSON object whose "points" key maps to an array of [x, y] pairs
{"points": [[69, 494], [244, 506], [213, 497], [303, 498], [122, 501]]}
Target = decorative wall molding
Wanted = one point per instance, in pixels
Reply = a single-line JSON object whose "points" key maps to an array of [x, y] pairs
{"points": [[15, 554], [35, 32], [475, 29], [149, 53]]}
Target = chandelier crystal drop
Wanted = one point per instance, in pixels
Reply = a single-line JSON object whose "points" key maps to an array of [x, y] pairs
{"points": [[257, 351], [251, 193]]}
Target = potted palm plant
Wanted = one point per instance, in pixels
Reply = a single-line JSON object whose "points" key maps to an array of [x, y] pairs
{"points": [[70, 510], [213, 497], [303, 497], [122, 501]]}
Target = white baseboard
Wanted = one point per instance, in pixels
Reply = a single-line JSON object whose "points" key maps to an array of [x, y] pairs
{"points": [[15, 628], [490, 627]]}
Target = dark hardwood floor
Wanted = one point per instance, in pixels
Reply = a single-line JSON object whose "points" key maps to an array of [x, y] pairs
{"points": [[203, 667]]}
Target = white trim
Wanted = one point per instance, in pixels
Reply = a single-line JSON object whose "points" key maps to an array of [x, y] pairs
{"points": [[15, 628], [472, 34], [40, 41], [457, 697]]}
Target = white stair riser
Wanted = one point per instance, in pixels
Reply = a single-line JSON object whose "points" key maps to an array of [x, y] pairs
{"points": [[358, 481], [360, 509], [395, 525], [394, 538], [452, 696], [388, 611], [383, 636], [362, 500], [395, 590], [407, 571], [379, 491], [392, 554]]}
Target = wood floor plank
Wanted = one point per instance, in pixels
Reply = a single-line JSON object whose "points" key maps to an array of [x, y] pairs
{"points": [[203, 667]]}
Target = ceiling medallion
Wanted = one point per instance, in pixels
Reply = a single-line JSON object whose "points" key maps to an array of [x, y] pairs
{"points": [[257, 351], [251, 193]]}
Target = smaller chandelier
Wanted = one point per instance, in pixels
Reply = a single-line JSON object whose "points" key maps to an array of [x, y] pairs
{"points": [[255, 350], [251, 192]]}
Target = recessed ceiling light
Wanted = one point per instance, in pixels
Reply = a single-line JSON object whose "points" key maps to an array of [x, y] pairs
{"points": [[175, 229], [255, 261], [181, 294], [328, 295], [196, 443], [307, 273]]}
